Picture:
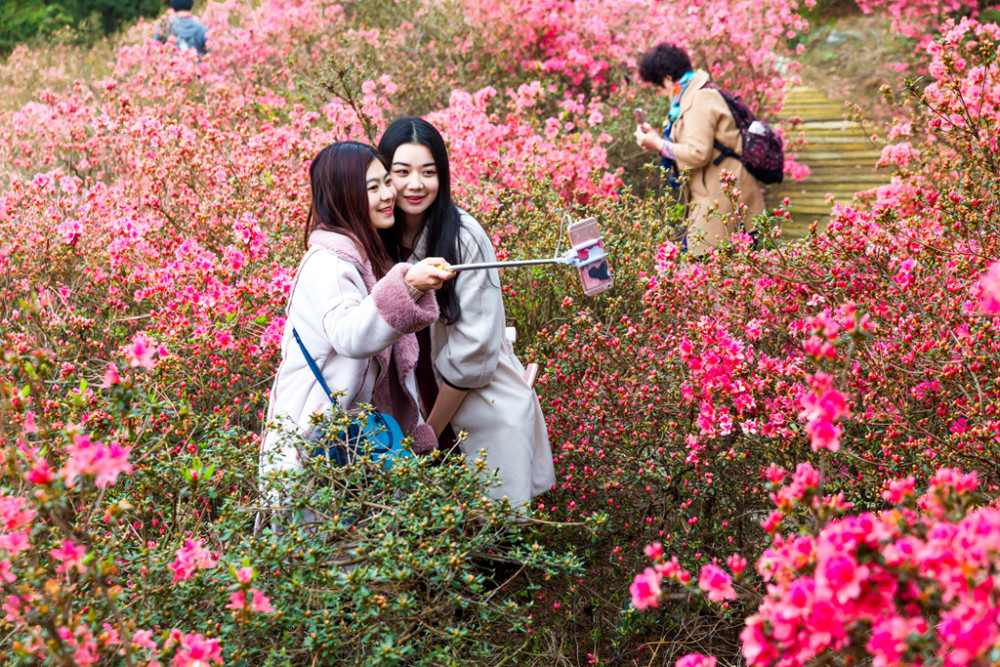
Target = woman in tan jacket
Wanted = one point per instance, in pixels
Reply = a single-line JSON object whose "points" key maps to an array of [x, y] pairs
{"points": [[699, 117]]}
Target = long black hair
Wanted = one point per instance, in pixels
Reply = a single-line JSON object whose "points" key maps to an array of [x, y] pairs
{"points": [[339, 199], [442, 221]]}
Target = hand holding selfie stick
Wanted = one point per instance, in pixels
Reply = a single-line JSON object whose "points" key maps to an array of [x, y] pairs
{"points": [[586, 254]]}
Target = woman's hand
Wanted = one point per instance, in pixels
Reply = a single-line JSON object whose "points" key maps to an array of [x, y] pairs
{"points": [[425, 274], [648, 139]]}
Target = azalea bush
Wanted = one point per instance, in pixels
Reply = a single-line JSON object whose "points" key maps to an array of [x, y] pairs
{"points": [[909, 585], [151, 220], [134, 534], [869, 362]]}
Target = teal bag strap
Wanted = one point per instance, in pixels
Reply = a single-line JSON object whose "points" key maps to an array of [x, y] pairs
{"points": [[312, 366], [380, 428]]}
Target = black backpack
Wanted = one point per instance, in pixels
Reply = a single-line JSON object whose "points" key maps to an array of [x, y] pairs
{"points": [[763, 151]]}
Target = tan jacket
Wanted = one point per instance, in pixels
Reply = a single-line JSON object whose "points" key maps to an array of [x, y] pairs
{"points": [[501, 413], [704, 118]]}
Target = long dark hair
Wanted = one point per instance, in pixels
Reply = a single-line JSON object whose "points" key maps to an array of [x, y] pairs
{"points": [[340, 198], [442, 220]]}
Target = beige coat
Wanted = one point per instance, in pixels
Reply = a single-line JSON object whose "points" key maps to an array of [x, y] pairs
{"points": [[705, 117], [500, 413], [349, 323]]}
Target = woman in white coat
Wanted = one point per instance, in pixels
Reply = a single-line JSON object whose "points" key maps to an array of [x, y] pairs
{"points": [[468, 376], [354, 310]]}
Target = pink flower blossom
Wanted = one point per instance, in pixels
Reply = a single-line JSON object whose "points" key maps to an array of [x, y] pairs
{"points": [[69, 556], [989, 296], [89, 457], [259, 603], [645, 589], [29, 423], [899, 490], [696, 660], [140, 352], [736, 563], [196, 651], [111, 377], [40, 473], [192, 556], [714, 581]]}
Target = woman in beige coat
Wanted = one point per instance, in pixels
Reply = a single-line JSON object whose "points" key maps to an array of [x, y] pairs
{"points": [[699, 117], [468, 376]]}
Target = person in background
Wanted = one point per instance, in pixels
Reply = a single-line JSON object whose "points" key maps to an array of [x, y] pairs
{"points": [[188, 30], [698, 118], [469, 378]]}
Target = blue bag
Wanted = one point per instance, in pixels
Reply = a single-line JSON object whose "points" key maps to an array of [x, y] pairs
{"points": [[375, 434]]}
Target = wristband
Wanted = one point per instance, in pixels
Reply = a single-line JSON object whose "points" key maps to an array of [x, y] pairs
{"points": [[667, 149]]}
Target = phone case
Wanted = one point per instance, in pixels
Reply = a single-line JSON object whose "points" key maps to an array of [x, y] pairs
{"points": [[595, 274]]}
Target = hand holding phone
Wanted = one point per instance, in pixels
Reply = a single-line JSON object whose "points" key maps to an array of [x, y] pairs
{"points": [[640, 117]]}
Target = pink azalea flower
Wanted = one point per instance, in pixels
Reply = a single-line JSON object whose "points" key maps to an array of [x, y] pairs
{"points": [[40, 473], [989, 297], [757, 648], [260, 603], [144, 639], [69, 556], [5, 572], [196, 651], [645, 589], [736, 563], [237, 601], [899, 490], [775, 474], [842, 576], [29, 423], [110, 377], [716, 583], [140, 352], [696, 660], [192, 556], [87, 457]]}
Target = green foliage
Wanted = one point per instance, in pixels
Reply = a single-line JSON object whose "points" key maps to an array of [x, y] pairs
{"points": [[24, 20], [364, 565]]}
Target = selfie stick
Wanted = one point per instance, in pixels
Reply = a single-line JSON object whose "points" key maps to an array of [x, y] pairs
{"points": [[571, 258], [586, 254]]}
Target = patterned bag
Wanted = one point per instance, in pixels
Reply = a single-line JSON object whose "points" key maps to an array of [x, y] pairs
{"points": [[763, 151]]}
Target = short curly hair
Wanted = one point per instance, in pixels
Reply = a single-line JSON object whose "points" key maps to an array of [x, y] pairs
{"points": [[664, 61]]}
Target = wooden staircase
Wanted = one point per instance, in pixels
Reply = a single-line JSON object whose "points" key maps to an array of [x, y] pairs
{"points": [[839, 154]]}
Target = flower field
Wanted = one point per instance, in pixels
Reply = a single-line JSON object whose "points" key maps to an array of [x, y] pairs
{"points": [[777, 457]]}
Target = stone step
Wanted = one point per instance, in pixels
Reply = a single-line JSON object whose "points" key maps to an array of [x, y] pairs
{"points": [[853, 157], [839, 153]]}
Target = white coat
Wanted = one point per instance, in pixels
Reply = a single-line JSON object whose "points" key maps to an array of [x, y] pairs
{"points": [[349, 323], [500, 413]]}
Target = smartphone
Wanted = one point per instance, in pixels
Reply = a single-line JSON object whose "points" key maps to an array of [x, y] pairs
{"points": [[640, 117], [595, 274]]}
